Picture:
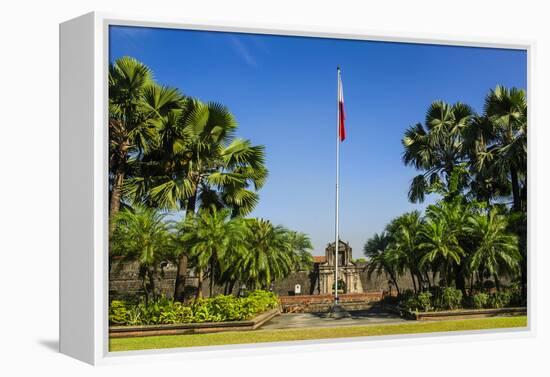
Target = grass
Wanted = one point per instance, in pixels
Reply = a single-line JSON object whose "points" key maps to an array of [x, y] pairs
{"points": [[261, 336]]}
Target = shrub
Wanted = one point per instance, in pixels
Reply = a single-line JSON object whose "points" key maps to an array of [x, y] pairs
{"points": [[174, 313], [480, 300], [424, 300], [410, 303], [216, 309], [500, 299], [517, 298], [414, 302], [118, 313], [451, 298], [408, 300]]}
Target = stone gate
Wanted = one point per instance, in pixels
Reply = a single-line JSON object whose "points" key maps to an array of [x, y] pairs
{"points": [[348, 271]]}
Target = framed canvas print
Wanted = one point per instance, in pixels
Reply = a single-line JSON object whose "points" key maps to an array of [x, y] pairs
{"points": [[225, 187]]}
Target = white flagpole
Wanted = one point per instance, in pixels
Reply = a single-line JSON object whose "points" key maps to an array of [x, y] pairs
{"points": [[336, 240]]}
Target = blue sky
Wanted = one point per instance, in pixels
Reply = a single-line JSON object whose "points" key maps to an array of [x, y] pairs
{"points": [[282, 91]]}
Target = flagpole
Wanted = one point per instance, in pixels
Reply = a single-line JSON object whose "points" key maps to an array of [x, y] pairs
{"points": [[336, 238]]}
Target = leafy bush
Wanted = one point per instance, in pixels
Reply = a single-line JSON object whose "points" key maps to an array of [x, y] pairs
{"points": [[415, 302], [451, 298], [480, 300], [424, 300], [517, 298], [500, 299], [408, 300], [410, 303], [216, 309], [118, 313]]}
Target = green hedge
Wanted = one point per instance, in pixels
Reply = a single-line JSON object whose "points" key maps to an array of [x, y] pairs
{"points": [[448, 298], [216, 309]]}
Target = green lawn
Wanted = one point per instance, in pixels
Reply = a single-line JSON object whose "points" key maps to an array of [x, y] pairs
{"points": [[260, 336]]}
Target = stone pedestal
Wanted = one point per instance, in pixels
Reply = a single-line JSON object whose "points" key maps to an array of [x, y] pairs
{"points": [[337, 311]]}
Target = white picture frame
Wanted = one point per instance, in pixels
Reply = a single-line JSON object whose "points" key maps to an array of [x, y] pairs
{"points": [[84, 191]]}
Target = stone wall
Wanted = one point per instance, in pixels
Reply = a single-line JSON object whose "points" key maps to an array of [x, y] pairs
{"points": [[124, 280], [379, 282], [307, 281]]}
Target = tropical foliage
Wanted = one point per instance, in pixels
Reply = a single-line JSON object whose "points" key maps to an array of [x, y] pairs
{"points": [[217, 309], [173, 156], [250, 251], [476, 231], [141, 234]]}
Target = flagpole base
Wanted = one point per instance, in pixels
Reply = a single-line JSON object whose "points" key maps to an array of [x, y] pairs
{"points": [[337, 311]]}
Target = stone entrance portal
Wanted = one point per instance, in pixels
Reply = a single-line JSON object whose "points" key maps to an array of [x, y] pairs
{"points": [[348, 272]]}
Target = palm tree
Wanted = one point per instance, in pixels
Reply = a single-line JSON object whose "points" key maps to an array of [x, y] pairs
{"points": [[403, 249], [141, 234], [487, 180], [497, 145], [135, 104], [436, 147], [300, 247], [440, 243], [507, 111], [375, 250], [211, 237], [198, 161], [496, 250], [505, 157], [223, 171], [269, 254]]}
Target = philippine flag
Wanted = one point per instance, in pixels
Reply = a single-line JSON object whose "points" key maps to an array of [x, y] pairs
{"points": [[341, 111]]}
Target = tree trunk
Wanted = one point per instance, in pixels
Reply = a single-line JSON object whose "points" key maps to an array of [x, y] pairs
{"points": [[151, 275], [497, 282], [118, 164], [459, 279], [191, 204], [212, 275], [145, 289], [232, 286], [515, 188], [199, 284], [181, 276], [116, 195], [427, 277], [394, 280], [448, 275], [414, 281], [226, 288], [397, 287]]}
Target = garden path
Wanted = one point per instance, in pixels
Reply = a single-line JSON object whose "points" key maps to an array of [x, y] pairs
{"points": [[374, 315]]}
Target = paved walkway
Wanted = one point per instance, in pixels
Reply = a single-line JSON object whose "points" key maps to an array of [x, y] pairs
{"points": [[362, 317]]}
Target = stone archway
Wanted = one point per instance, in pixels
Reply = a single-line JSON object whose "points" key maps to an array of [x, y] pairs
{"points": [[348, 271]]}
